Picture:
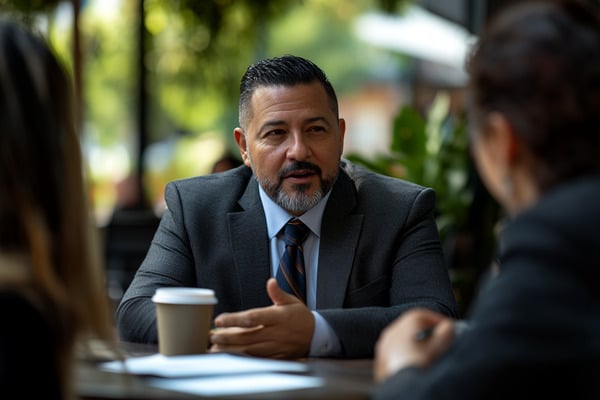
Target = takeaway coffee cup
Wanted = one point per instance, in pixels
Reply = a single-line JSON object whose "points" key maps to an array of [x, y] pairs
{"points": [[183, 316]]}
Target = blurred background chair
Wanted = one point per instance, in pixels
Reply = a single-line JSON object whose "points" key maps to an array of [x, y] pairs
{"points": [[127, 238]]}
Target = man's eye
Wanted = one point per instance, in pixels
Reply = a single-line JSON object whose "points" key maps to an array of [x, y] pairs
{"points": [[275, 132], [316, 129]]}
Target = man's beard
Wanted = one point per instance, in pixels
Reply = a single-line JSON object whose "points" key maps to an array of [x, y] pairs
{"points": [[298, 201]]}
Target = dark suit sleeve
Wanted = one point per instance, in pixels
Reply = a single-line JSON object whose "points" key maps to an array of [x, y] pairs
{"points": [[418, 277], [169, 262], [533, 332]]}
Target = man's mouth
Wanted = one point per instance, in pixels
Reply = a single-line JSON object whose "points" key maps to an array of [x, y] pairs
{"points": [[300, 173]]}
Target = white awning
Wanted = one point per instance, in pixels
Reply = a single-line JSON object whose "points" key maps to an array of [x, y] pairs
{"points": [[417, 33]]}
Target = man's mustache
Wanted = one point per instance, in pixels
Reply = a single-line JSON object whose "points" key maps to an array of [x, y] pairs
{"points": [[300, 166]]}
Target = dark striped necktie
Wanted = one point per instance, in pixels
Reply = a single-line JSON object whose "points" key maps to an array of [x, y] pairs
{"points": [[290, 275]]}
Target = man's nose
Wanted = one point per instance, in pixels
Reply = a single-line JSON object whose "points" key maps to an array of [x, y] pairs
{"points": [[299, 148]]}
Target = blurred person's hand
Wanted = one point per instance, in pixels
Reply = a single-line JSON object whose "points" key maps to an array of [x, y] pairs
{"points": [[283, 330], [402, 344]]}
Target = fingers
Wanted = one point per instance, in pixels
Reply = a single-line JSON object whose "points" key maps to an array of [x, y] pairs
{"points": [[236, 335], [442, 337], [258, 341], [243, 319], [278, 296], [261, 316], [423, 317], [265, 316], [400, 346], [283, 330]]}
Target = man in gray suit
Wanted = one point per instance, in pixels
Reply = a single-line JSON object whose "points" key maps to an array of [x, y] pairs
{"points": [[372, 251]]}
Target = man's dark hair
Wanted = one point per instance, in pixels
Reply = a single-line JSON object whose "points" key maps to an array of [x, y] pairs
{"points": [[287, 70]]}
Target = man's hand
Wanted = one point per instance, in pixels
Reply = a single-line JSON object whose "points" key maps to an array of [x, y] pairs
{"points": [[399, 345], [283, 330]]}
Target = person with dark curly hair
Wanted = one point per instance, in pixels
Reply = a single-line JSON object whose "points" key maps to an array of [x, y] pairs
{"points": [[534, 330]]}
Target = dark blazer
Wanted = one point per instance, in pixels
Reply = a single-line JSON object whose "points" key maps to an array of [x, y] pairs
{"points": [[379, 253], [536, 326], [29, 343]]}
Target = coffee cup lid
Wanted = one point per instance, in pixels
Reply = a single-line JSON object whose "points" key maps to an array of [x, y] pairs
{"points": [[184, 295]]}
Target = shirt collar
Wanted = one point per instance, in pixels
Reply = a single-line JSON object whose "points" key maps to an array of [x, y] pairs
{"points": [[277, 217]]}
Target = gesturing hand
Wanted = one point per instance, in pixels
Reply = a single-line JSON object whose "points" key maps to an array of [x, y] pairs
{"points": [[283, 330]]}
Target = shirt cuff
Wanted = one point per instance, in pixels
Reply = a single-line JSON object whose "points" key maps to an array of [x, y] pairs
{"points": [[325, 342]]}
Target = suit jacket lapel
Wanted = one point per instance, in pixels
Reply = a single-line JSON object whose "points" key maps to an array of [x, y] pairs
{"points": [[340, 232], [248, 232], [339, 236]]}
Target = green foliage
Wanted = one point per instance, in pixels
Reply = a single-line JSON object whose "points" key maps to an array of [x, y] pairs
{"points": [[198, 51], [109, 77], [433, 152], [27, 6]]}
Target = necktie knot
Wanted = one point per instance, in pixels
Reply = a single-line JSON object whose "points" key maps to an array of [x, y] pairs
{"points": [[295, 232]]}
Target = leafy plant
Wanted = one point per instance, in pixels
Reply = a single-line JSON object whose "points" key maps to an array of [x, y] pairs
{"points": [[431, 151]]}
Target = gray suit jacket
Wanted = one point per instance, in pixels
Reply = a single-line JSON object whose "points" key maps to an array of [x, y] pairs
{"points": [[379, 253]]}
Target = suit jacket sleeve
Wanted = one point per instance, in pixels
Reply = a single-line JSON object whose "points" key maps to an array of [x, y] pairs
{"points": [[169, 262], [212, 235], [397, 261]]}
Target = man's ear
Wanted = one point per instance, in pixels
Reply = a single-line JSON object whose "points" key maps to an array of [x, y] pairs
{"points": [[502, 136], [240, 139], [342, 128]]}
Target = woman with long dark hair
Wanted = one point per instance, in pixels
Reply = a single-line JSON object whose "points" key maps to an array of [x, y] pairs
{"points": [[52, 293]]}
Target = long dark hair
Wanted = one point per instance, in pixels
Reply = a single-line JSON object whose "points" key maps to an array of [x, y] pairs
{"points": [[44, 211]]}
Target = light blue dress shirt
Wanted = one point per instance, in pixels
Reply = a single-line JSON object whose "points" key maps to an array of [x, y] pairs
{"points": [[324, 341]]}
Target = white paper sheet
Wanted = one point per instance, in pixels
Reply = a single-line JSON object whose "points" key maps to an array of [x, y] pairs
{"points": [[200, 365], [237, 384]]}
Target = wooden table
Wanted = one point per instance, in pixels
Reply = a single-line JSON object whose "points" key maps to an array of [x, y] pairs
{"points": [[344, 379]]}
